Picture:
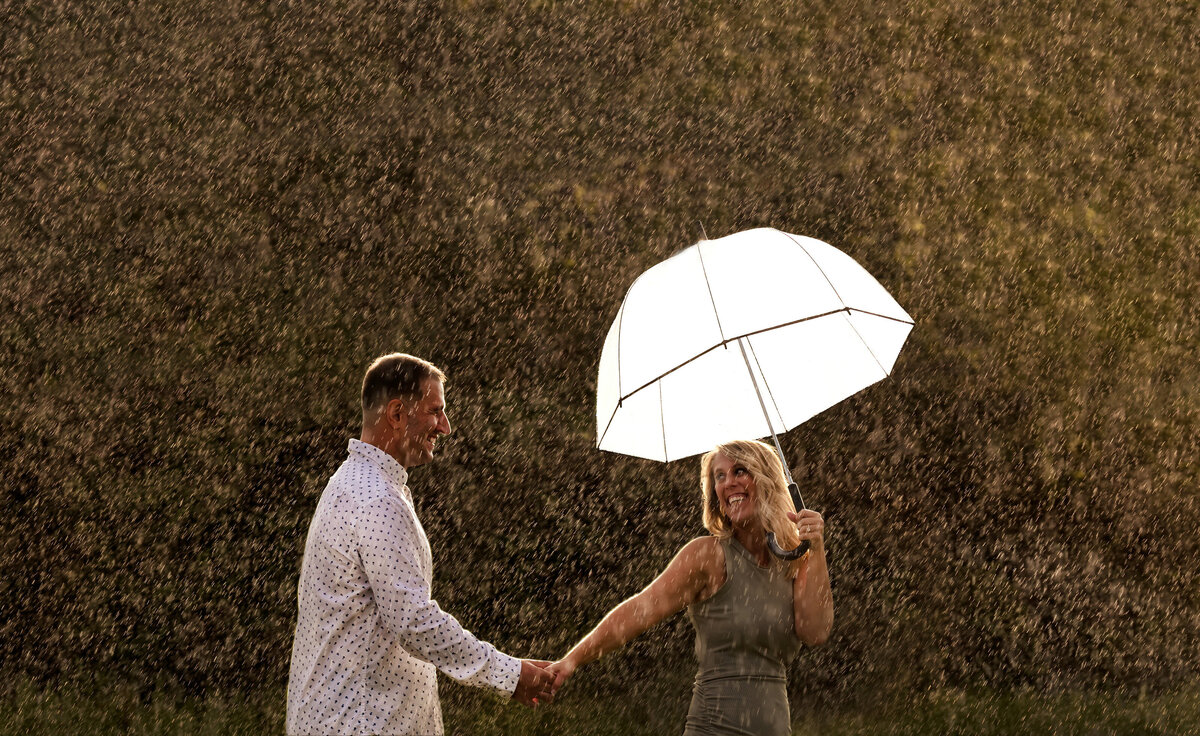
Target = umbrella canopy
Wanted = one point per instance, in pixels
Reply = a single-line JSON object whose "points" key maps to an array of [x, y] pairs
{"points": [[745, 336]]}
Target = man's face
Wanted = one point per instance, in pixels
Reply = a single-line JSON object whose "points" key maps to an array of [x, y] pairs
{"points": [[426, 420]]}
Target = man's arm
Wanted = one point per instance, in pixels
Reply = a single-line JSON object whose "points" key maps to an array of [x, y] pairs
{"points": [[389, 548]]}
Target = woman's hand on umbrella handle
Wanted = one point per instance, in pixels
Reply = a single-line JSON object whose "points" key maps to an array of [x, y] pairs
{"points": [[810, 526]]}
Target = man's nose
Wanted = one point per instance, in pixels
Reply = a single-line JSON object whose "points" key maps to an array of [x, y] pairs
{"points": [[444, 424]]}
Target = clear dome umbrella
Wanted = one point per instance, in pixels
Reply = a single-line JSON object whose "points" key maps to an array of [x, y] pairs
{"points": [[744, 336]]}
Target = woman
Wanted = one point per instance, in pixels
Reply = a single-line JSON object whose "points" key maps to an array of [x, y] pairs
{"points": [[751, 611]]}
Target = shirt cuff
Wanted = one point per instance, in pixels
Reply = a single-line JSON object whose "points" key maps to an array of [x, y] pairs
{"points": [[508, 673]]}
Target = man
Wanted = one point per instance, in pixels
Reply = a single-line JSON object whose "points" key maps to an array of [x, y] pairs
{"points": [[369, 637]]}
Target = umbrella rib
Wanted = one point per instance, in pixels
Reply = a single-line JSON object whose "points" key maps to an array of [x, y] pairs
{"points": [[711, 298], [620, 325], [662, 418], [611, 417], [818, 265], [843, 301], [886, 373], [723, 343], [880, 316], [620, 399]]}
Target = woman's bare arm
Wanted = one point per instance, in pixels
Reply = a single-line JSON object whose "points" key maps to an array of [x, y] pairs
{"points": [[812, 600], [697, 571]]}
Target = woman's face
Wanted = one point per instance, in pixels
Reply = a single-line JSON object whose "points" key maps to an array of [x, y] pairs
{"points": [[736, 492]]}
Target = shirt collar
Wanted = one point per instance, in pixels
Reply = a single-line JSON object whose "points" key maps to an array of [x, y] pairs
{"points": [[392, 469]]}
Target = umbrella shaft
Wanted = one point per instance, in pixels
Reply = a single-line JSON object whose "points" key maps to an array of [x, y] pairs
{"points": [[795, 490]]}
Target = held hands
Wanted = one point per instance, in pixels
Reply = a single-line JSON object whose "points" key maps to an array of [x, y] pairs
{"points": [[540, 680], [562, 671], [536, 686], [811, 527]]}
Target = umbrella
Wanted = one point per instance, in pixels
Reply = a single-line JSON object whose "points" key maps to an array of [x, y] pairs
{"points": [[743, 336]]}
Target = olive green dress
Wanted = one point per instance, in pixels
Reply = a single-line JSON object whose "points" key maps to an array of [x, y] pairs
{"points": [[745, 638]]}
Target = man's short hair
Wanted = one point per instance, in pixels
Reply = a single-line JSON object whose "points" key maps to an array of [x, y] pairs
{"points": [[396, 376]]}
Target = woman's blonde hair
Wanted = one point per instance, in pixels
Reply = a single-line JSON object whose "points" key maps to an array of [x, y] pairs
{"points": [[774, 500]]}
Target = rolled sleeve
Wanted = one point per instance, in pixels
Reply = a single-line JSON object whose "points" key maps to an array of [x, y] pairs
{"points": [[390, 548]]}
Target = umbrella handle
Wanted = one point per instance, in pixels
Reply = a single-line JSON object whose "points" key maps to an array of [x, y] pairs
{"points": [[773, 545]]}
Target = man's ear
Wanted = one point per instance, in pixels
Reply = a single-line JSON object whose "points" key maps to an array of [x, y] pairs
{"points": [[396, 412]]}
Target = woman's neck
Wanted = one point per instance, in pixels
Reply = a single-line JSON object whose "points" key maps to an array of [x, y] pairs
{"points": [[754, 540]]}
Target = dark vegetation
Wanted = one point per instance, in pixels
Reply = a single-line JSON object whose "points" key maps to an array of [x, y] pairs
{"points": [[213, 215]]}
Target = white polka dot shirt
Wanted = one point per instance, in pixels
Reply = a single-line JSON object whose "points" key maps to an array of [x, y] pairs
{"points": [[369, 637]]}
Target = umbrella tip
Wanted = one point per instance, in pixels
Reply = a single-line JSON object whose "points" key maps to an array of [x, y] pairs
{"points": [[703, 234]]}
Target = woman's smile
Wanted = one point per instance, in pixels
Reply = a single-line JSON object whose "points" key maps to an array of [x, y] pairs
{"points": [[736, 490]]}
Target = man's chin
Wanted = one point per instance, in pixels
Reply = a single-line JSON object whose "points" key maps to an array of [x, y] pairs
{"points": [[416, 457]]}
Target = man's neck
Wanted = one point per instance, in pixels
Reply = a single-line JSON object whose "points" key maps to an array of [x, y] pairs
{"points": [[385, 441]]}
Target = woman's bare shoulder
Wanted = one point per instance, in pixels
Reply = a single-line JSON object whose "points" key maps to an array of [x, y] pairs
{"points": [[706, 545], [707, 557]]}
